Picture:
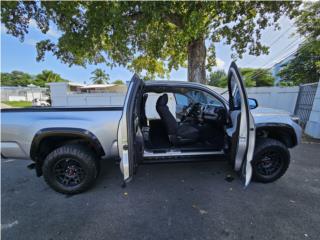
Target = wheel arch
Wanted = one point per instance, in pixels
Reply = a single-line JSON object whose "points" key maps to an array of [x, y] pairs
{"points": [[48, 139], [279, 131]]}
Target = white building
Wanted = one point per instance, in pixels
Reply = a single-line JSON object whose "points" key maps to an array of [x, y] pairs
{"points": [[74, 94]]}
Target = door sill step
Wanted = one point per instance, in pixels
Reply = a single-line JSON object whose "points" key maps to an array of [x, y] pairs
{"points": [[180, 154]]}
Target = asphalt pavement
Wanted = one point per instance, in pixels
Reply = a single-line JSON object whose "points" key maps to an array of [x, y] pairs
{"points": [[166, 201]]}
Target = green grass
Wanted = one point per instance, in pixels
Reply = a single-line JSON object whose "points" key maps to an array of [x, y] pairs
{"points": [[20, 104]]}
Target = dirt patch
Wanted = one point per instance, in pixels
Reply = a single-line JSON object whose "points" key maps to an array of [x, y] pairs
{"points": [[311, 140]]}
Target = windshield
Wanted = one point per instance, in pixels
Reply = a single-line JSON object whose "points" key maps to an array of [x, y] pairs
{"points": [[203, 98], [225, 95], [220, 91], [188, 96]]}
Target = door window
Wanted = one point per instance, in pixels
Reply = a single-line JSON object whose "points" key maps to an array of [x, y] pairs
{"points": [[203, 98], [181, 100], [235, 94]]}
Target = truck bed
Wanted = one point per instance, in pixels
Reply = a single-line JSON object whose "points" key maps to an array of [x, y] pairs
{"points": [[19, 126]]}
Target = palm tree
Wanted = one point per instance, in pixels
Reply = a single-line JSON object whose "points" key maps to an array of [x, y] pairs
{"points": [[118, 82], [99, 76]]}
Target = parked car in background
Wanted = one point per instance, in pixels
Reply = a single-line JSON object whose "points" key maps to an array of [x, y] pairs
{"points": [[67, 144], [39, 103]]}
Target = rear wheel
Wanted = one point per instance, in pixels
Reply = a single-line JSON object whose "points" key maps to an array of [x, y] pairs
{"points": [[270, 161], [70, 169]]}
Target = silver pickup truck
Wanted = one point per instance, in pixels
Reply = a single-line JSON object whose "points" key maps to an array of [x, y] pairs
{"points": [[192, 123]]}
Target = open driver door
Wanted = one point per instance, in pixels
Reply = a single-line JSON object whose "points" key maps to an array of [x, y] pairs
{"points": [[130, 146], [242, 132]]}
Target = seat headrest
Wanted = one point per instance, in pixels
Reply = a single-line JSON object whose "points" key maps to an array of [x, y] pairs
{"points": [[162, 100]]}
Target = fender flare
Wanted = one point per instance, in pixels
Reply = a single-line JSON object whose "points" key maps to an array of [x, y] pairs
{"points": [[77, 132], [283, 127]]}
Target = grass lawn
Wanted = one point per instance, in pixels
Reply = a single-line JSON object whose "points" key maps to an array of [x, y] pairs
{"points": [[20, 104]]}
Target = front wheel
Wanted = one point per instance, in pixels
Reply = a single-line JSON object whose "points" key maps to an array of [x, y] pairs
{"points": [[70, 169], [270, 161]]}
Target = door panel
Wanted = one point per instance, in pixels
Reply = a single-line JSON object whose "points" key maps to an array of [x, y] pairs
{"points": [[251, 143], [128, 128], [242, 132]]}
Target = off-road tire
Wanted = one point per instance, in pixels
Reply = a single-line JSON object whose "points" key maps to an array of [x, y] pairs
{"points": [[265, 147], [83, 156]]}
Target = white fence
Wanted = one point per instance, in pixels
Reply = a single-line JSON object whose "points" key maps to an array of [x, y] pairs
{"points": [[23, 93], [274, 97], [62, 96], [89, 99], [284, 98]]}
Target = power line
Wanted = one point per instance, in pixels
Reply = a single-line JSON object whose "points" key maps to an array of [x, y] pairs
{"points": [[288, 55], [292, 53], [277, 39], [290, 45], [281, 51]]}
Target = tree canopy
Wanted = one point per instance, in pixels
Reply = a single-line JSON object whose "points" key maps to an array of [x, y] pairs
{"points": [[308, 21], [47, 76], [253, 77], [217, 77], [16, 78], [257, 77], [151, 38], [99, 76], [19, 78], [119, 82], [305, 66]]}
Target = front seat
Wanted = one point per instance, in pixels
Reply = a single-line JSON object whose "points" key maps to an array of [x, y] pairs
{"points": [[178, 133]]}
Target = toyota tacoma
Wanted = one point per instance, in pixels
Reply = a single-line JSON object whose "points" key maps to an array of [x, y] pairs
{"points": [[160, 121]]}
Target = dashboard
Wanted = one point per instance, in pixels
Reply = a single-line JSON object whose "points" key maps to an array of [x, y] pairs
{"points": [[213, 113], [206, 113]]}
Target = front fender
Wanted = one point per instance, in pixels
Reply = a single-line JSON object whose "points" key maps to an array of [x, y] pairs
{"points": [[290, 135]]}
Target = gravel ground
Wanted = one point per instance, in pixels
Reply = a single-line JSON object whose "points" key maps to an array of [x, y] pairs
{"points": [[167, 201]]}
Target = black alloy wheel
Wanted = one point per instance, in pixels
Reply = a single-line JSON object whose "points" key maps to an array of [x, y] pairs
{"points": [[69, 172], [71, 169], [269, 164], [270, 161]]}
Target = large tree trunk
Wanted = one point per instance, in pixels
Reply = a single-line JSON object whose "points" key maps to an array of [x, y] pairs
{"points": [[197, 61]]}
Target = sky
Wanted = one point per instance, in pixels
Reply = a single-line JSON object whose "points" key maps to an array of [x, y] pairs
{"points": [[16, 55]]}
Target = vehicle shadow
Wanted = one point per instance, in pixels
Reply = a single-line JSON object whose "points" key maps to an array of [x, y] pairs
{"points": [[215, 170], [164, 196]]}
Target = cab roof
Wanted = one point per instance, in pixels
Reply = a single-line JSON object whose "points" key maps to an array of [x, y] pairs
{"points": [[169, 83]]}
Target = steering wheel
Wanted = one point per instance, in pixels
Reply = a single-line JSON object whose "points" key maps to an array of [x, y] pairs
{"points": [[187, 111]]}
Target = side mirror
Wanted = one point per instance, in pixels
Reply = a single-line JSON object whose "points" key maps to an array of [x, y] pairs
{"points": [[253, 103]]}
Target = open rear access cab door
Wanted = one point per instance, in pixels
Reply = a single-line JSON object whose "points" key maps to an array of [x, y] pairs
{"points": [[129, 146], [242, 132]]}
